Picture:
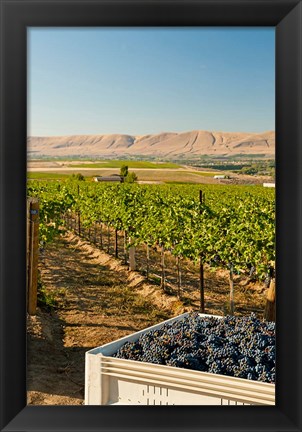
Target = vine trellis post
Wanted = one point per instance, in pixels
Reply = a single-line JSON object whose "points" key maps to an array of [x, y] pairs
{"points": [[108, 238], [125, 247], [79, 214], [231, 289], [178, 278], [148, 261], [32, 254], [163, 274], [116, 243], [201, 269], [132, 263], [101, 234], [270, 307]]}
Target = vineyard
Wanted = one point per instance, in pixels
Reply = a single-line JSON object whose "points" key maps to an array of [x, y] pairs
{"points": [[222, 227]]}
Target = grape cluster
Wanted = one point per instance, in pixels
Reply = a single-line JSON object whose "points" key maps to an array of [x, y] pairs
{"points": [[243, 347]]}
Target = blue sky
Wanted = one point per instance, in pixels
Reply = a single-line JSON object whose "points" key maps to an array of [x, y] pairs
{"points": [[150, 80]]}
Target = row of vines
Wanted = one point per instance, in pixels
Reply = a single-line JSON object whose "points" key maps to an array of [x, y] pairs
{"points": [[229, 227]]}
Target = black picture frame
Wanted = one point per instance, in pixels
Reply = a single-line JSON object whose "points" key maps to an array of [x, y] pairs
{"points": [[16, 16]]}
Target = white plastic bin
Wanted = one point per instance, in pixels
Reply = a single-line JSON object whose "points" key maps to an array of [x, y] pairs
{"points": [[114, 381]]}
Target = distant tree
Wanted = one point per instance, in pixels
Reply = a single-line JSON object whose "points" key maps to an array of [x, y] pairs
{"points": [[124, 171], [248, 170], [78, 177], [131, 177], [272, 172]]}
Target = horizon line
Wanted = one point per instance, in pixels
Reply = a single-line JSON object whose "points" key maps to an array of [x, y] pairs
{"points": [[154, 133]]}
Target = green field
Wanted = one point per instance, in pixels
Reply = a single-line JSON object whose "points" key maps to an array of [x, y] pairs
{"points": [[46, 176], [130, 164], [148, 175], [205, 173]]}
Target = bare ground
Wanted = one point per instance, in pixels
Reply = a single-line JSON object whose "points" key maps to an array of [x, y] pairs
{"points": [[98, 301]]}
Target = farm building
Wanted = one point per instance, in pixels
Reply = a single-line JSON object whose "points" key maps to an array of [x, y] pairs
{"points": [[220, 177], [269, 185], [111, 178]]}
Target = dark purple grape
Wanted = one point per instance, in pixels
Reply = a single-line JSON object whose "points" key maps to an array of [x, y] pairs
{"points": [[236, 346]]}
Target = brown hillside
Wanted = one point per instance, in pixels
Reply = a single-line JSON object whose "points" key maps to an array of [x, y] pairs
{"points": [[165, 144]]}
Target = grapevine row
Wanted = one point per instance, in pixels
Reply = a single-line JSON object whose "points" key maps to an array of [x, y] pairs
{"points": [[234, 226]]}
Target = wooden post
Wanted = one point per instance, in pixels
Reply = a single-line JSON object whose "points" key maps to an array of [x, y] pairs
{"points": [[270, 307], [231, 290], [108, 238], [79, 213], [125, 247], [200, 196], [79, 223], [201, 285], [201, 270], [132, 263], [163, 275], [28, 243], [32, 254], [101, 234], [178, 277], [116, 244], [148, 261]]}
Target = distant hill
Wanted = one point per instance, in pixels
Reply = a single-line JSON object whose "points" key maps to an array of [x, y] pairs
{"points": [[167, 145]]}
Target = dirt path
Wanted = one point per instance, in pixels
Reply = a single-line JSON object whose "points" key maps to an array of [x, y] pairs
{"points": [[97, 301]]}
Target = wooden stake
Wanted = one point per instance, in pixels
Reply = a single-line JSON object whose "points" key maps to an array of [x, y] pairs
{"points": [[79, 223], [201, 271], [178, 278], [163, 276], [116, 244], [79, 215], [231, 291], [201, 285], [108, 238], [270, 307], [33, 254], [200, 196], [132, 263], [148, 261], [28, 250], [125, 247], [101, 234]]}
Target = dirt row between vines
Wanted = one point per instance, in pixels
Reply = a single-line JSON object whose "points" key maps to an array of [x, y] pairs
{"points": [[99, 300]]}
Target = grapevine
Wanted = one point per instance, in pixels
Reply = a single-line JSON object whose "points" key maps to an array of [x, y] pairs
{"points": [[234, 227]]}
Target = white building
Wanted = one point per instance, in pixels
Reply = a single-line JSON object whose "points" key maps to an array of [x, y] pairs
{"points": [[269, 185], [111, 178], [220, 177]]}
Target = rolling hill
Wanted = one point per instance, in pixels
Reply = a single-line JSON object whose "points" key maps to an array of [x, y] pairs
{"points": [[169, 145]]}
